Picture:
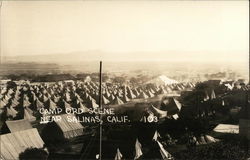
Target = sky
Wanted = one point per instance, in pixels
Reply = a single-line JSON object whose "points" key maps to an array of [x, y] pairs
{"points": [[212, 29]]}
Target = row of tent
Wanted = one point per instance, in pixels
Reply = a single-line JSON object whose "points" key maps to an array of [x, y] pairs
{"points": [[165, 155], [23, 136], [25, 101], [12, 144], [20, 106], [139, 153], [203, 139], [30, 100], [70, 129], [234, 85]]}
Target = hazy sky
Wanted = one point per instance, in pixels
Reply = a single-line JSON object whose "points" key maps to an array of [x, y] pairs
{"points": [[211, 28]]}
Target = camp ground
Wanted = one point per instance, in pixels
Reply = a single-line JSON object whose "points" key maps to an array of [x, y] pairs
{"points": [[124, 80], [165, 116]]}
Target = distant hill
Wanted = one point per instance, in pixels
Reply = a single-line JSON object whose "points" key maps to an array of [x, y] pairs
{"points": [[73, 57], [30, 68], [56, 58], [171, 63], [97, 55]]}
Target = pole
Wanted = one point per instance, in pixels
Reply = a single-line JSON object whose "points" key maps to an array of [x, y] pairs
{"points": [[1, 3], [100, 106]]}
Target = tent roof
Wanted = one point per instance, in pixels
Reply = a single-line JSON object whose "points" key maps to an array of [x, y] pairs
{"points": [[143, 95], [28, 116], [11, 112], [18, 125], [118, 101], [70, 129], [227, 128], [159, 112], [105, 100], [12, 144], [83, 107]]}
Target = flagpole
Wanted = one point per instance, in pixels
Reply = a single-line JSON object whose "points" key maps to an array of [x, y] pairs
{"points": [[100, 106]]}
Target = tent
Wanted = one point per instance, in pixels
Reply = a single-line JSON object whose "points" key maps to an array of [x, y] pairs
{"points": [[136, 92], [26, 102], [118, 155], [205, 139], [227, 128], [70, 129], [2, 104], [51, 104], [131, 94], [38, 104], [213, 96], [14, 102], [66, 105], [44, 98], [83, 107], [117, 101], [125, 98], [175, 116], [158, 112], [28, 116], [165, 154], [12, 144], [105, 100], [202, 140], [138, 151], [171, 105], [67, 97], [150, 94], [210, 139], [162, 91], [11, 112], [18, 125], [93, 104], [206, 97], [156, 135], [142, 95]]}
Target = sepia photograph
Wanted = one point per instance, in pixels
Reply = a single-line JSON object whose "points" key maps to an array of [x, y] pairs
{"points": [[124, 80]]}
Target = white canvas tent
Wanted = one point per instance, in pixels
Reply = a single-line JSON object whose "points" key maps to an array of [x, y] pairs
{"points": [[69, 129], [13, 144], [138, 149], [164, 153], [118, 155], [227, 128], [158, 112], [18, 125]]}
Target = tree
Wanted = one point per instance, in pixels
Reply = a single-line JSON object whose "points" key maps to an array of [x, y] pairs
{"points": [[230, 148], [33, 154], [119, 80], [54, 138], [11, 84]]}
